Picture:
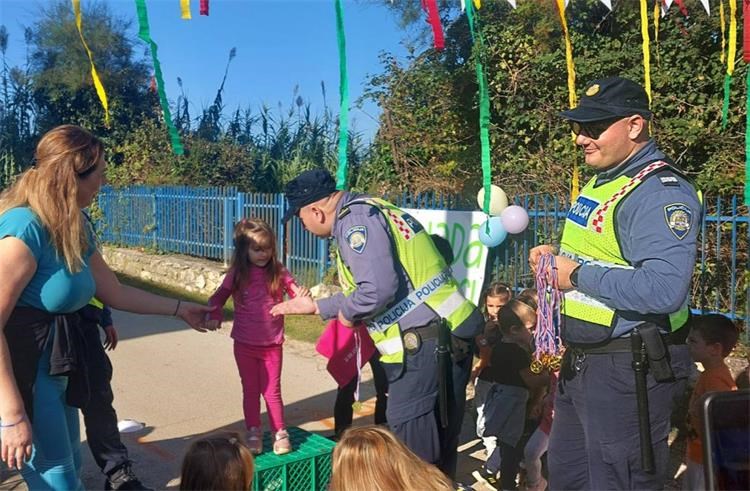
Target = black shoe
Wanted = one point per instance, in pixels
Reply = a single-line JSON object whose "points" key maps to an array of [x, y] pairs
{"points": [[124, 479], [486, 477]]}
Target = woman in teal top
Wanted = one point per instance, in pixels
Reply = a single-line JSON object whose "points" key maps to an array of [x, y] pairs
{"points": [[50, 268]]}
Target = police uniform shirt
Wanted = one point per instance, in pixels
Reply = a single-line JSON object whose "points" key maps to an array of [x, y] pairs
{"points": [[659, 244], [363, 239]]}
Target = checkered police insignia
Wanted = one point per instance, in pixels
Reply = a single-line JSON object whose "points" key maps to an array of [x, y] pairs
{"points": [[679, 219], [406, 225], [356, 237], [598, 222]]}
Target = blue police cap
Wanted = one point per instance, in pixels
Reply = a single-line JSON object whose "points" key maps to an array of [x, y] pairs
{"points": [[307, 188], [608, 98]]}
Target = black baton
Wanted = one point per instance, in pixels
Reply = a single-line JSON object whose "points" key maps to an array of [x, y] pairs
{"points": [[641, 392], [444, 360]]}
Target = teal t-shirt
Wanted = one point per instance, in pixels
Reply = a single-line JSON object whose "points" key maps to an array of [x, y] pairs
{"points": [[52, 288]]}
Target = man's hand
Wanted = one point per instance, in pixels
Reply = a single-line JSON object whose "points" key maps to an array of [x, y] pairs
{"points": [[565, 266], [297, 305], [110, 337], [536, 254]]}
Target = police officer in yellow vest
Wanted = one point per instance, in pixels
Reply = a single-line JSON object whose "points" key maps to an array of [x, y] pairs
{"points": [[625, 262], [395, 280]]}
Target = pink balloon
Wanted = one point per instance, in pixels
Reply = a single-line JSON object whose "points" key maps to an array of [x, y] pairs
{"points": [[515, 219]]}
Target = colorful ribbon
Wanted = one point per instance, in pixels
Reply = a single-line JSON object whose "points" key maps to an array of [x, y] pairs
{"points": [[145, 34], [646, 50], [94, 75], [548, 316], [185, 10], [484, 109], [572, 99], [204, 7], [433, 17], [731, 55], [746, 31], [747, 141], [343, 98]]}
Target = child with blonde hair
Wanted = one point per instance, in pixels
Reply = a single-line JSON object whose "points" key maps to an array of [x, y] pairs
{"points": [[257, 281], [217, 463], [371, 458]]}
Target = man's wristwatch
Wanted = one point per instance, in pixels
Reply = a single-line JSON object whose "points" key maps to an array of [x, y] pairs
{"points": [[574, 276]]}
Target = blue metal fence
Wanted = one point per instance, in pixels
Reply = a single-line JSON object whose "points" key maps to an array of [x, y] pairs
{"points": [[199, 222]]}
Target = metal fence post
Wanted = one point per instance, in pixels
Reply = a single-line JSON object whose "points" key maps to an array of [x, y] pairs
{"points": [[228, 221], [280, 228]]}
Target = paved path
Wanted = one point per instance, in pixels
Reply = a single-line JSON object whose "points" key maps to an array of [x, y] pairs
{"points": [[183, 384]]}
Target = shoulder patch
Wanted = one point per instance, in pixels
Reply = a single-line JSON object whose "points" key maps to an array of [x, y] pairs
{"points": [[356, 237], [669, 180], [679, 218]]}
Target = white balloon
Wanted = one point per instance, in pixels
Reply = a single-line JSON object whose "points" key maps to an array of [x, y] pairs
{"points": [[498, 199]]}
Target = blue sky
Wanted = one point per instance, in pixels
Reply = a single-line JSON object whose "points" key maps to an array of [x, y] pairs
{"points": [[280, 44]]}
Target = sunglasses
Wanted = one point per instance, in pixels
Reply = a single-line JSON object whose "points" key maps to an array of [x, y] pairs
{"points": [[593, 129]]}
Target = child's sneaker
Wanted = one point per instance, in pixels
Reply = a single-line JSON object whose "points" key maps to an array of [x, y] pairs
{"points": [[254, 440], [282, 445]]}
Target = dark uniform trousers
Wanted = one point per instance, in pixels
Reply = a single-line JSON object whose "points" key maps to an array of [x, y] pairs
{"points": [[99, 416], [413, 413], [594, 443]]}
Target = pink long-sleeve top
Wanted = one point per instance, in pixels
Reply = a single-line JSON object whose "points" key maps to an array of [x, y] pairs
{"points": [[253, 323]]}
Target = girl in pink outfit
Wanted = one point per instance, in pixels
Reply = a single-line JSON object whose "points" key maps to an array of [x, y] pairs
{"points": [[256, 281]]}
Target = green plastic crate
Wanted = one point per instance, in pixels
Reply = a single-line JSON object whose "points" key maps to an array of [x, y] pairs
{"points": [[306, 468]]}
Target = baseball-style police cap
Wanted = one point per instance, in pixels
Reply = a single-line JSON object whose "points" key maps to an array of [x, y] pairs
{"points": [[307, 188], [609, 98]]}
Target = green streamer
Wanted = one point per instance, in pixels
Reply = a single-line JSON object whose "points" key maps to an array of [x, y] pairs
{"points": [[344, 98], [484, 109], [725, 106], [747, 141], [145, 34]]}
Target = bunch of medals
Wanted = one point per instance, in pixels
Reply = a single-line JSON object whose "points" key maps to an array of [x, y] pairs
{"points": [[548, 353]]}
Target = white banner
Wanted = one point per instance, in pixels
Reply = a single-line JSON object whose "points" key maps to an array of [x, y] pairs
{"points": [[461, 229]]}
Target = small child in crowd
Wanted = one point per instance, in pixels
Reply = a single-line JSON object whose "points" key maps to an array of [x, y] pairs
{"points": [[511, 377], [496, 295], [712, 337], [371, 458], [256, 281], [538, 443], [217, 463]]}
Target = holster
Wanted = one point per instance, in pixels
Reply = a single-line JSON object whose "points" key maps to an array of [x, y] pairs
{"points": [[460, 348], [657, 353]]}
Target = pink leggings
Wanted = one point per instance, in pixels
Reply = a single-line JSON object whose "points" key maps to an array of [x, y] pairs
{"points": [[260, 372]]}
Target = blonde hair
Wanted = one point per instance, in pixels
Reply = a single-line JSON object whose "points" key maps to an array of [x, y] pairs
{"points": [[217, 463], [254, 232], [64, 155], [371, 458]]}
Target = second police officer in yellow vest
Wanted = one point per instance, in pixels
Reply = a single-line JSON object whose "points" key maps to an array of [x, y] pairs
{"points": [[395, 280], [626, 259]]}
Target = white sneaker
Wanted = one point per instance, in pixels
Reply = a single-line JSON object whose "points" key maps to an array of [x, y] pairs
{"points": [[282, 444]]}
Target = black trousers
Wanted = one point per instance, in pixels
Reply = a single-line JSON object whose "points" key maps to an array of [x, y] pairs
{"points": [[457, 381], [342, 410], [99, 416]]}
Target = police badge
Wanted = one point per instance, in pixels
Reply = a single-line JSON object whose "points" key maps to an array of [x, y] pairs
{"points": [[679, 219], [412, 342]]}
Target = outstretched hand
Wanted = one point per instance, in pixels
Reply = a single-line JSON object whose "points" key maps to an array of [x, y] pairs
{"points": [[297, 305], [195, 316], [301, 291]]}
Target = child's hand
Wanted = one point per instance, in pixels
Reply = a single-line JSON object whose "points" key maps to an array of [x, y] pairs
{"points": [[301, 291], [212, 324], [475, 373], [110, 337]]}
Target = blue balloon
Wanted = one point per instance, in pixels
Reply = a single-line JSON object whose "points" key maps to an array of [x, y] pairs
{"points": [[496, 233]]}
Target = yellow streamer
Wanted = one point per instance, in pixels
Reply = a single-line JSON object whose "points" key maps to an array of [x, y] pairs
{"points": [[97, 83], [732, 36], [572, 99], [646, 52], [185, 7], [478, 4], [723, 29]]}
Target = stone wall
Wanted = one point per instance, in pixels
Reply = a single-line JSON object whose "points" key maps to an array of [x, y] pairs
{"points": [[185, 272]]}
